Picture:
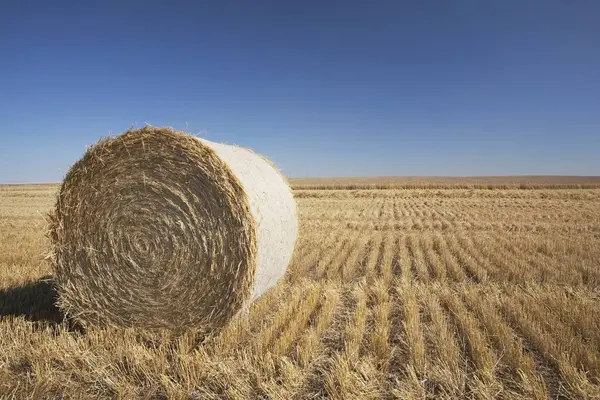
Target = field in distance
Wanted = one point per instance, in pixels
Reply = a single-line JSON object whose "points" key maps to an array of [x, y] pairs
{"points": [[446, 182], [392, 293]]}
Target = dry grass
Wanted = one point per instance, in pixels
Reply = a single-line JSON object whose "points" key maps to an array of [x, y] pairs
{"points": [[399, 293]]}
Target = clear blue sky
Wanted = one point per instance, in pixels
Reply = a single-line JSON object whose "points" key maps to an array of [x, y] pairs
{"points": [[323, 88]]}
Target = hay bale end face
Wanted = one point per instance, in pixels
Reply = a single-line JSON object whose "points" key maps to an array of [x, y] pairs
{"points": [[159, 229]]}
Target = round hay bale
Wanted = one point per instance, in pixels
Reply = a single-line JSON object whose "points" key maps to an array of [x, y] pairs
{"points": [[159, 229]]}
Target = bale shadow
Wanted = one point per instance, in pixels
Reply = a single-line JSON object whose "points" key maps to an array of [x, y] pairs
{"points": [[35, 301]]}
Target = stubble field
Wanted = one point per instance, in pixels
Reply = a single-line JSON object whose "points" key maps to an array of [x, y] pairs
{"points": [[392, 293]]}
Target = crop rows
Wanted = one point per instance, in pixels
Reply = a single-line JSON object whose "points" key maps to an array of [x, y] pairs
{"points": [[405, 294]]}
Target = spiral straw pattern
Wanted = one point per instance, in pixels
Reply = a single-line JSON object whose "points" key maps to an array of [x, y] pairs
{"points": [[153, 229]]}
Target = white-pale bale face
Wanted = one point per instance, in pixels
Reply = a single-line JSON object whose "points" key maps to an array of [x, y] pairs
{"points": [[273, 208]]}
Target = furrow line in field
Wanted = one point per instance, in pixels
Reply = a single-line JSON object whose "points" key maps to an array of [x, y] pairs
{"points": [[348, 375], [413, 370], [483, 361], [301, 267], [351, 268], [469, 265], [446, 374], [519, 364], [351, 249], [417, 260], [574, 383], [436, 265], [454, 272]]}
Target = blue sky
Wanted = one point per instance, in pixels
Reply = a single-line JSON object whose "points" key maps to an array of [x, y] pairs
{"points": [[324, 88]]}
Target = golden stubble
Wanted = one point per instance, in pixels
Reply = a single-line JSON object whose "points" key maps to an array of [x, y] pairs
{"points": [[392, 293]]}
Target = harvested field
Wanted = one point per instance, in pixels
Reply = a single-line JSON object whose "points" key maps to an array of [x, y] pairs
{"points": [[392, 293]]}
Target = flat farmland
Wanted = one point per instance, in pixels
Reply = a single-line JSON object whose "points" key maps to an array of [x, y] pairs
{"points": [[424, 292]]}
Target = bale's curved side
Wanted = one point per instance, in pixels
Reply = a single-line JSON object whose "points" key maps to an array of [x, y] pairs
{"points": [[274, 210], [153, 229]]}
